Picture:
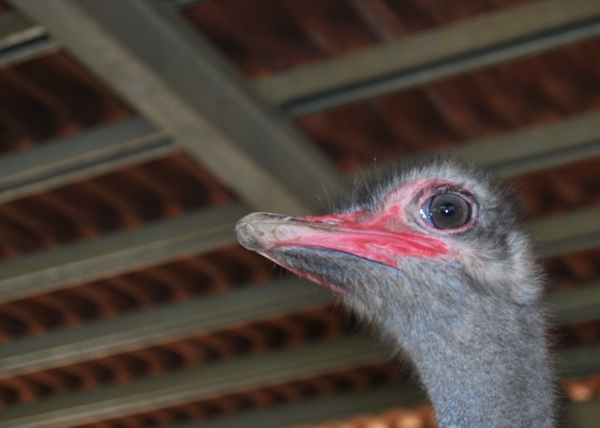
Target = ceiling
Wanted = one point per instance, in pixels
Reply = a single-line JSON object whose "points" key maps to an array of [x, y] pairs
{"points": [[134, 134]]}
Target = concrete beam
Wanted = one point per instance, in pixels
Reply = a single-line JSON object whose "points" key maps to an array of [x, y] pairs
{"points": [[176, 80], [482, 41], [89, 154], [120, 252]]}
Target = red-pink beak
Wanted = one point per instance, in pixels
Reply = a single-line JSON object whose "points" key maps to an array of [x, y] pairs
{"points": [[263, 232]]}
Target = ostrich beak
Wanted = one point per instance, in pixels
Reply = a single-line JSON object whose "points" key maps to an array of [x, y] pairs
{"points": [[265, 233]]}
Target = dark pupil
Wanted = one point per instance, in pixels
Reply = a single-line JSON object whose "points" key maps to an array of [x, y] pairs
{"points": [[449, 211]]}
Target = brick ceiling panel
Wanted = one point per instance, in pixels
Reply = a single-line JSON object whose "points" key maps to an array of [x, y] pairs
{"points": [[560, 190], [493, 101], [265, 37], [49, 97], [263, 336], [569, 270], [344, 380], [119, 200], [213, 272], [580, 334]]}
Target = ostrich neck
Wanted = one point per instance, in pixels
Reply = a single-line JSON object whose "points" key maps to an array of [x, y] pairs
{"points": [[483, 368]]}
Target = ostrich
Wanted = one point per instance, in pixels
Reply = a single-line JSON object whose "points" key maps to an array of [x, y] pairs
{"points": [[432, 255]]}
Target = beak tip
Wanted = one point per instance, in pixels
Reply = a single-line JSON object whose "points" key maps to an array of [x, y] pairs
{"points": [[250, 230]]}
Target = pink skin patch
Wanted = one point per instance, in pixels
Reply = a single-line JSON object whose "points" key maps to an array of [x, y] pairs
{"points": [[383, 237]]}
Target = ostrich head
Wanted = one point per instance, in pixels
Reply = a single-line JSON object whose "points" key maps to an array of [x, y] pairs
{"points": [[432, 255]]}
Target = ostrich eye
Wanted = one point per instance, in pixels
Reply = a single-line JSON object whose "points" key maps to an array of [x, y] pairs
{"points": [[447, 211]]}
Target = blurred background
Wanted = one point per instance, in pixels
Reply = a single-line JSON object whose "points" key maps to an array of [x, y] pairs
{"points": [[135, 133]]}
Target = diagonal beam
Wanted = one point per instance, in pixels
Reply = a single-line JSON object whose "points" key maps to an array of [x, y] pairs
{"points": [[21, 41], [131, 142], [163, 68], [120, 252], [86, 155], [547, 146], [479, 42], [225, 378]]}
